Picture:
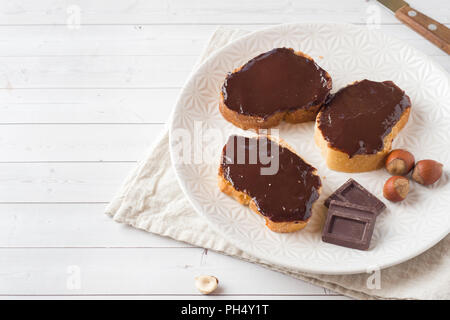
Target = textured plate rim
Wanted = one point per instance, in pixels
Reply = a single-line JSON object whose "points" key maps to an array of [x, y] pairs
{"points": [[315, 270]]}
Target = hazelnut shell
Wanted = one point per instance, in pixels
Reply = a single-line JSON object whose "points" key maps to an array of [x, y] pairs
{"points": [[396, 188], [206, 284], [399, 162], [427, 172]]}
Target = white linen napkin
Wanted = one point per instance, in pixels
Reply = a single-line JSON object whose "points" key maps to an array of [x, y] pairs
{"points": [[152, 200]]}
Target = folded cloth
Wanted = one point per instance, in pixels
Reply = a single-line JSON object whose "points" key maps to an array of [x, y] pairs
{"points": [[152, 200]]}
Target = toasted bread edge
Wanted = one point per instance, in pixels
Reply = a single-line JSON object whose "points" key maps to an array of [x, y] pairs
{"points": [[281, 227], [254, 122], [340, 161]]}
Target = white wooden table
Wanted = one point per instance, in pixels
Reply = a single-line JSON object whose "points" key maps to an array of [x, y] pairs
{"points": [[79, 104]]}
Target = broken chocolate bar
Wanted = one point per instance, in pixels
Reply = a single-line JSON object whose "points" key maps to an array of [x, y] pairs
{"points": [[353, 192], [349, 225]]}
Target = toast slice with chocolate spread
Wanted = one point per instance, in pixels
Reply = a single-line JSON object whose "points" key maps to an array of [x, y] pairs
{"points": [[356, 126], [281, 84], [271, 179]]}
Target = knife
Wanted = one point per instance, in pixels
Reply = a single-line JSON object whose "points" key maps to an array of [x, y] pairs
{"points": [[432, 30]]}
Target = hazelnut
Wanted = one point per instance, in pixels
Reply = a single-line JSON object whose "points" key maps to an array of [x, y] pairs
{"points": [[427, 172], [399, 162], [396, 188], [206, 284]]}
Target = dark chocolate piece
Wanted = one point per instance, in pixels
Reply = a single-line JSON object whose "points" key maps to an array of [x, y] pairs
{"points": [[287, 193], [357, 118], [353, 192], [276, 81], [349, 225]]}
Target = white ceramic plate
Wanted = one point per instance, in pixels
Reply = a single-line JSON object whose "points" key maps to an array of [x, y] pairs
{"points": [[348, 53]]}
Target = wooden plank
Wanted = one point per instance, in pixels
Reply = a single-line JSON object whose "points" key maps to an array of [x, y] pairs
{"points": [[71, 225], [145, 68], [111, 105], [102, 72], [61, 142], [94, 71], [134, 56], [147, 40], [61, 182], [87, 106], [201, 12], [149, 271], [110, 40]]}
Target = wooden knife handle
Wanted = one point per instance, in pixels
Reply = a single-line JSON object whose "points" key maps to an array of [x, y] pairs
{"points": [[427, 27]]}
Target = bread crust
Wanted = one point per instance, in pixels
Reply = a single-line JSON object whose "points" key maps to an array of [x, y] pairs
{"points": [[254, 122], [341, 161], [281, 227]]}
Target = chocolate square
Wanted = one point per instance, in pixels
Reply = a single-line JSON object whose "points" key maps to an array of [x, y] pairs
{"points": [[353, 192], [349, 225]]}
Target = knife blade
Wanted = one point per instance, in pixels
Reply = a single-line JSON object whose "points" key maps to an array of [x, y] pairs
{"points": [[432, 30]]}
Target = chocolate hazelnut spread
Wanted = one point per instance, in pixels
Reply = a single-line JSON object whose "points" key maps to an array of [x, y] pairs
{"points": [[276, 81], [357, 118], [287, 194]]}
